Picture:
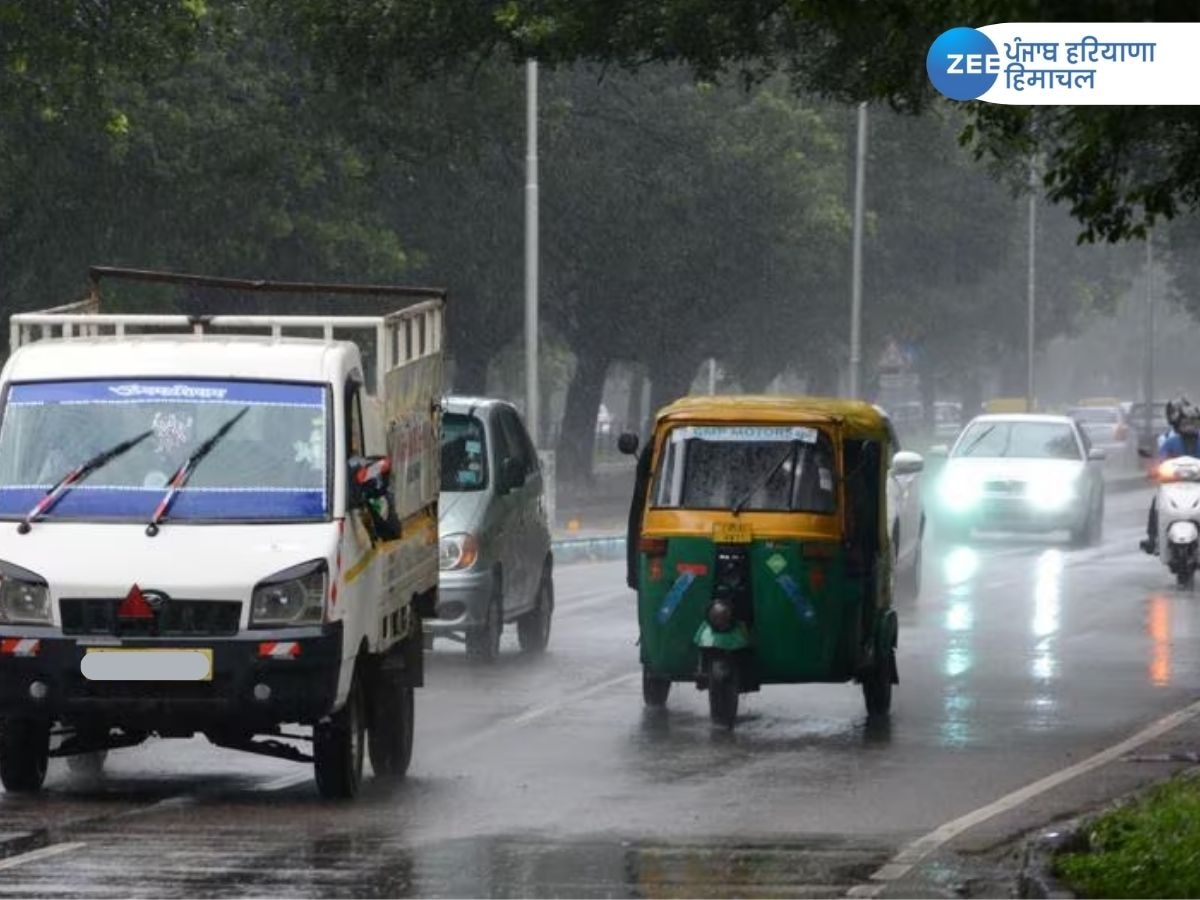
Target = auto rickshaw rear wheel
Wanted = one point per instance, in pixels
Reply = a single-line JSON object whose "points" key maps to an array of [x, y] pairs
{"points": [[877, 685], [655, 689], [722, 692]]}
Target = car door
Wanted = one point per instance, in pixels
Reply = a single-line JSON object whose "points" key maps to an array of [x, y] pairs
{"points": [[904, 499], [502, 526], [524, 515]]}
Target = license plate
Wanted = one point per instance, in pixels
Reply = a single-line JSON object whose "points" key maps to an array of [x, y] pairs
{"points": [[732, 533], [146, 664]]}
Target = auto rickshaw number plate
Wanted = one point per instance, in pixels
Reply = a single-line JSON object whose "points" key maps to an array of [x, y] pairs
{"points": [[732, 533]]}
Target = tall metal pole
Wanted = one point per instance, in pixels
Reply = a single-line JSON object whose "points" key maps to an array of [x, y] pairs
{"points": [[531, 252], [1031, 314], [860, 171], [1148, 386]]}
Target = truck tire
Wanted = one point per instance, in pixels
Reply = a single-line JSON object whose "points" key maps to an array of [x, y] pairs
{"points": [[338, 748], [24, 754], [533, 628], [390, 733]]}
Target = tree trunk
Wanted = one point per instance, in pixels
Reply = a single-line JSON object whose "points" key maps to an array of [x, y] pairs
{"points": [[577, 440], [670, 382], [970, 394], [633, 408]]}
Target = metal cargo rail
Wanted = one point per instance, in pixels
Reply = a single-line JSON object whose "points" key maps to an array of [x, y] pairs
{"points": [[397, 337]]}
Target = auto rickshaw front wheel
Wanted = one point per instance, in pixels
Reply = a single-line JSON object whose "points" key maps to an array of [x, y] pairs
{"points": [[655, 689], [877, 685], [722, 691]]}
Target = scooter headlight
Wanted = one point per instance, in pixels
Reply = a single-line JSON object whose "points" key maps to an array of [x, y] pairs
{"points": [[24, 597]]}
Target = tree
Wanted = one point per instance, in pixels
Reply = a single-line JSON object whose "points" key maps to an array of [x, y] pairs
{"points": [[1117, 169]]}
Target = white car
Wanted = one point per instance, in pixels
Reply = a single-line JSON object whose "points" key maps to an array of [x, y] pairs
{"points": [[906, 516], [1022, 472]]}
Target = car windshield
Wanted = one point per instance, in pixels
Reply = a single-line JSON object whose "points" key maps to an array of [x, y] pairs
{"points": [[1021, 440], [270, 466], [1095, 415], [464, 453], [756, 468]]}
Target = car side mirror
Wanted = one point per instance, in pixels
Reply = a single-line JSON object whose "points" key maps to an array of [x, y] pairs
{"points": [[1096, 454], [907, 463], [370, 478], [512, 474], [939, 450], [627, 443]]}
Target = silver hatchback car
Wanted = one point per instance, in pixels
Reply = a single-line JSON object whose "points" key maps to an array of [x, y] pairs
{"points": [[496, 565]]}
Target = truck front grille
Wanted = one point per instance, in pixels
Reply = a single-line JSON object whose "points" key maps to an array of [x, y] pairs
{"points": [[175, 618]]}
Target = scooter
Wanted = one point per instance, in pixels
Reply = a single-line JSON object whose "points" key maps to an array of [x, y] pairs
{"points": [[1178, 507]]}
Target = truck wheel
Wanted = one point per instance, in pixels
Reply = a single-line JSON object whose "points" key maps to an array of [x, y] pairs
{"points": [[89, 764], [533, 628], [483, 641], [338, 748], [655, 690], [24, 754], [390, 735], [877, 686], [723, 692]]}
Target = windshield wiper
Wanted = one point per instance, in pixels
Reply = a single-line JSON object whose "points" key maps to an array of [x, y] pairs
{"points": [[737, 507], [975, 443], [76, 475], [184, 472]]}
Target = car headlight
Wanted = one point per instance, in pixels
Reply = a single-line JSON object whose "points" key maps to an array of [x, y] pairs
{"points": [[960, 491], [24, 597], [458, 551], [1050, 494], [295, 596]]}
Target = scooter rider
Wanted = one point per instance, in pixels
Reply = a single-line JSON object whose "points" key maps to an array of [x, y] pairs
{"points": [[1183, 440]]}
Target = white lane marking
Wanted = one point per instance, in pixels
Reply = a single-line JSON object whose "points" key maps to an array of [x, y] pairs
{"points": [[43, 853], [901, 864]]}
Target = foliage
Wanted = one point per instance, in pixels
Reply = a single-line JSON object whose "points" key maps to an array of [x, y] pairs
{"points": [[1150, 848]]}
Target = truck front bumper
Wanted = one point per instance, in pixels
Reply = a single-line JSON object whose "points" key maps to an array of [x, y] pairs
{"points": [[259, 680]]}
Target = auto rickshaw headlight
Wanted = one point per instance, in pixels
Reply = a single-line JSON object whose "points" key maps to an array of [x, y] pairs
{"points": [[720, 615]]}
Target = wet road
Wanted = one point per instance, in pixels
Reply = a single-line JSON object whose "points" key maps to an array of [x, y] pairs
{"points": [[547, 777]]}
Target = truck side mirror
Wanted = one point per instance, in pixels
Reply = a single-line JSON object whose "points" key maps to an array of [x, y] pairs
{"points": [[512, 475], [370, 478], [627, 443]]}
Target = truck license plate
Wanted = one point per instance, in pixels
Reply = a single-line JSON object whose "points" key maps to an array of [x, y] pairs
{"points": [[732, 533], [146, 664]]}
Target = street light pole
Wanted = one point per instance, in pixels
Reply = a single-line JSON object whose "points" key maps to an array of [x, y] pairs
{"points": [[531, 252], [1148, 386], [1031, 286], [860, 171]]}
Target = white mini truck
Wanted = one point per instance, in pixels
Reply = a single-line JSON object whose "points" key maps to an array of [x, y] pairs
{"points": [[221, 525]]}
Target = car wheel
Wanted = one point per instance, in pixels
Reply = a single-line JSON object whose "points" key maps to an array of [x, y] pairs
{"points": [[338, 748], [533, 628], [483, 641], [24, 754]]}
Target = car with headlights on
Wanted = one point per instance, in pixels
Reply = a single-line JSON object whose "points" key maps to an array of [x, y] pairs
{"points": [[1021, 472], [496, 565]]}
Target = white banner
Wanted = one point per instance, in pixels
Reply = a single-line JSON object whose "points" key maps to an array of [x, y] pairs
{"points": [[1070, 63]]}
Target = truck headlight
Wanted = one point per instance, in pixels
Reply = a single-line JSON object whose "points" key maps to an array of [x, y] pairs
{"points": [[295, 596], [960, 491], [24, 597], [458, 551]]}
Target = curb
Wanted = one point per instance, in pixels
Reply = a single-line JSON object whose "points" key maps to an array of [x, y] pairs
{"points": [[589, 549], [1037, 878]]}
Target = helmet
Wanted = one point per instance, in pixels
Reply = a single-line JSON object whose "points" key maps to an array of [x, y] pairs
{"points": [[1175, 410], [1188, 418]]}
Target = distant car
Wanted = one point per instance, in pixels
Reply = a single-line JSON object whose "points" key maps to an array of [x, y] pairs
{"points": [[1022, 472], [1107, 429], [947, 419], [496, 565]]}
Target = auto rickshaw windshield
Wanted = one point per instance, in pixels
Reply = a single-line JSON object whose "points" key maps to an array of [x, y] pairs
{"points": [[764, 468]]}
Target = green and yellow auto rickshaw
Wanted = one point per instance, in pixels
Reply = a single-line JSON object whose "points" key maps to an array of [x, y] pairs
{"points": [[759, 548]]}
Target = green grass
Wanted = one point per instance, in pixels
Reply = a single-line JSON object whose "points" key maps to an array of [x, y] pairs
{"points": [[1149, 848]]}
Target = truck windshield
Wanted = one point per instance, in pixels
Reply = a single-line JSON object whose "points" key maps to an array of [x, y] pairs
{"points": [[271, 467], [763, 468]]}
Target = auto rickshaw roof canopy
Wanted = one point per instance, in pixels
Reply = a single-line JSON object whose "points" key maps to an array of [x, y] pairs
{"points": [[856, 418]]}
